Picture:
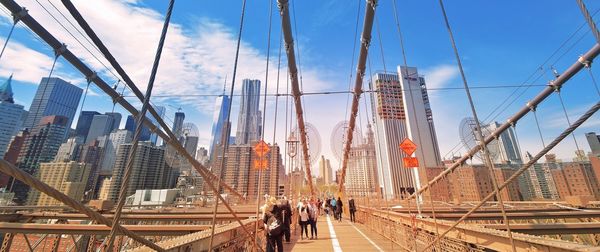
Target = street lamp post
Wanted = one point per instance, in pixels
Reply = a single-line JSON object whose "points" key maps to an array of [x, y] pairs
{"points": [[292, 144]]}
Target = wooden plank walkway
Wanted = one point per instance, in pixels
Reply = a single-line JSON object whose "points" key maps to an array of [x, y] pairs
{"points": [[339, 236]]}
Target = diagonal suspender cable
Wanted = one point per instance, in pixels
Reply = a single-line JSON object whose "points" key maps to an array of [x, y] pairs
{"points": [[360, 74], [168, 135], [515, 176], [293, 71], [530, 106], [138, 128], [217, 190], [28, 179], [489, 162]]}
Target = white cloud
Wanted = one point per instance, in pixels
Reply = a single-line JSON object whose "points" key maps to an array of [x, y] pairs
{"points": [[25, 64], [440, 76]]}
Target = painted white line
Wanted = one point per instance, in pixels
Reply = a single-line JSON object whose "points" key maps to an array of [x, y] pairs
{"points": [[334, 240], [370, 241]]}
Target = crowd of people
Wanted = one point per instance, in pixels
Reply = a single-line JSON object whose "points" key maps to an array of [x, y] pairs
{"points": [[278, 220]]}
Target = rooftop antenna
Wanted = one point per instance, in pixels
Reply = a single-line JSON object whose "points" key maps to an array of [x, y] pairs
{"points": [[225, 84]]}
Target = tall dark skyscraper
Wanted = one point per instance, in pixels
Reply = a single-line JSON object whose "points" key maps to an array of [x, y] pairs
{"points": [[220, 128], [84, 122], [178, 125], [249, 126], [40, 146], [130, 126], [54, 96]]}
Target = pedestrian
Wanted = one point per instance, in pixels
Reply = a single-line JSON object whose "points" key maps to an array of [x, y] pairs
{"points": [[339, 209], [286, 209], [304, 218], [327, 205], [352, 208], [313, 215], [273, 221], [334, 208]]}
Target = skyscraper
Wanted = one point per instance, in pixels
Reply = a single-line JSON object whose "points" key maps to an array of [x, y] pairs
{"points": [[83, 123], [69, 178], [178, 125], [130, 125], [11, 113], [54, 96], [91, 154], [594, 142], [103, 125], [362, 179], [241, 174], [110, 144], [220, 127], [508, 150], [161, 112], [69, 150], [41, 146], [12, 154], [249, 126], [148, 172], [401, 110], [325, 171]]}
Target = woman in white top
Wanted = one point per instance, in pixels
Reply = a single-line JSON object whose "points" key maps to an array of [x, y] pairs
{"points": [[304, 218]]}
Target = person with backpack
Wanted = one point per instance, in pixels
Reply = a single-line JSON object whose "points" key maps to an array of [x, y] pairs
{"points": [[286, 209], [304, 218], [334, 207], [339, 209], [313, 214], [273, 221]]}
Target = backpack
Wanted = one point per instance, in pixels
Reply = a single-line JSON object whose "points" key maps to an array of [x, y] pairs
{"points": [[274, 226]]}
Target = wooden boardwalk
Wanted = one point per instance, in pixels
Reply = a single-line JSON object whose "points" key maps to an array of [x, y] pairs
{"points": [[339, 236]]}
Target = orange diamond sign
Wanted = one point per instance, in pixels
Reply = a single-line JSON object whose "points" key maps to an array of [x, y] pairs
{"points": [[260, 164], [408, 146], [261, 148], [410, 162]]}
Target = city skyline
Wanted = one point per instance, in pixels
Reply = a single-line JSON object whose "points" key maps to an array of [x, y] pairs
{"points": [[436, 62]]}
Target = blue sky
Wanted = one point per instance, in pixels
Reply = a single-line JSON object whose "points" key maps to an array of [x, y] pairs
{"points": [[501, 43]]}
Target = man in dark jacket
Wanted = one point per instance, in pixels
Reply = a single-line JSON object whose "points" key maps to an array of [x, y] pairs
{"points": [[352, 208], [273, 214], [286, 212]]}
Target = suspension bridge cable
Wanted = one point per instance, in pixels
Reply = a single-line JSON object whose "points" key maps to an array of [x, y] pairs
{"points": [[541, 70], [353, 55], [486, 153], [76, 39], [518, 173], [228, 120], [408, 80], [139, 126], [264, 112]]}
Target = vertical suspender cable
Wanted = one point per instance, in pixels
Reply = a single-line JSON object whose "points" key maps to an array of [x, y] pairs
{"points": [[408, 79], [482, 143], [139, 125], [16, 18], [264, 112], [226, 143]]}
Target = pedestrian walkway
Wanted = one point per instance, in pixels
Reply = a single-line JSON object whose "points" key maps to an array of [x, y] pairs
{"points": [[339, 236]]}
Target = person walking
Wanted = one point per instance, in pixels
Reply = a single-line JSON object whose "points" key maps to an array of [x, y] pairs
{"points": [[339, 209], [273, 221], [334, 207], [286, 210], [304, 218], [352, 208], [313, 215]]}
